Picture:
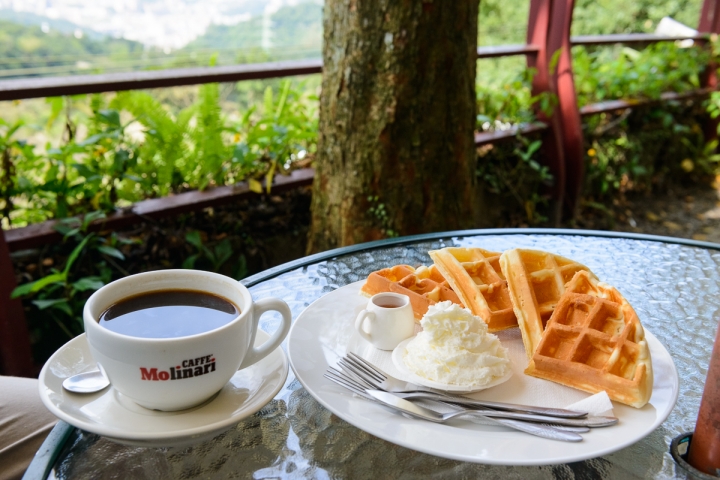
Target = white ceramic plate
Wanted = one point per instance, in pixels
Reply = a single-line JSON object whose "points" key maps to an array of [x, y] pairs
{"points": [[406, 374], [323, 332], [110, 414]]}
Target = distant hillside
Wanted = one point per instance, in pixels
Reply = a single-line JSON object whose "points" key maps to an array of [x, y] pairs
{"points": [[28, 51], [292, 32], [57, 24]]}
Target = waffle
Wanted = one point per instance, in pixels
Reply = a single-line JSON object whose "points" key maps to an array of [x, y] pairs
{"points": [[594, 341], [475, 276], [536, 280], [425, 286]]}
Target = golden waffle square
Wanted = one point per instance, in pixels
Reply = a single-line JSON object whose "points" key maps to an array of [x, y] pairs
{"points": [[425, 286], [536, 280], [593, 342], [475, 276]]}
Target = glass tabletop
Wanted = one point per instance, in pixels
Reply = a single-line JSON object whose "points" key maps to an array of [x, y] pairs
{"points": [[673, 284]]}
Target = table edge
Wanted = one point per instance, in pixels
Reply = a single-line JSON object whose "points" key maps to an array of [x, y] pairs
{"points": [[319, 257], [45, 457]]}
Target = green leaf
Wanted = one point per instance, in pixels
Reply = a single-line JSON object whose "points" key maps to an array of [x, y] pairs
{"points": [[57, 104], [43, 304], [88, 218], [268, 101], [84, 171], [66, 229], [92, 139], [113, 252], [193, 238], [88, 283], [283, 99], [38, 285], [110, 117], [74, 254], [189, 262], [222, 253]]}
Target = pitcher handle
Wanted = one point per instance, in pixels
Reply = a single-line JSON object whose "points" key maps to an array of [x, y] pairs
{"points": [[360, 324]]}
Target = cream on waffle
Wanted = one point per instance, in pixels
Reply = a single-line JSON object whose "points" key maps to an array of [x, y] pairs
{"points": [[594, 341], [425, 286], [475, 276], [536, 280]]}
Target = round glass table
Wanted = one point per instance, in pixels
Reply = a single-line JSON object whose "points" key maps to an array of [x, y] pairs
{"points": [[673, 284]]}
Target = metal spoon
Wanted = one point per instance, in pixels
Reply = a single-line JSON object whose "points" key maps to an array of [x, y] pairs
{"points": [[87, 382]]}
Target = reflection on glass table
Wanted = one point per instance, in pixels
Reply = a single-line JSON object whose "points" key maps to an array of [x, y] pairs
{"points": [[673, 285]]}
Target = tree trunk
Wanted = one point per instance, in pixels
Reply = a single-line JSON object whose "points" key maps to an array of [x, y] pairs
{"points": [[396, 154]]}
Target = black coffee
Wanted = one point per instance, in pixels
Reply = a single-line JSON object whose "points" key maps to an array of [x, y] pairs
{"points": [[168, 314]]}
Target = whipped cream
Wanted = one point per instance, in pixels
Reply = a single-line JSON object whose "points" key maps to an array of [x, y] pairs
{"points": [[455, 348]]}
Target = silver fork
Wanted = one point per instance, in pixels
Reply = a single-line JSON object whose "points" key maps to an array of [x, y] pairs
{"points": [[538, 429], [376, 378], [579, 425]]}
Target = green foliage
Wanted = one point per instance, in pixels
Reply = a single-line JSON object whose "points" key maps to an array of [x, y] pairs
{"points": [[645, 148], [640, 149], [502, 22], [164, 145], [272, 140], [505, 21], [602, 17], [633, 151], [61, 294], [512, 173], [214, 257], [510, 102], [134, 148], [622, 72]]}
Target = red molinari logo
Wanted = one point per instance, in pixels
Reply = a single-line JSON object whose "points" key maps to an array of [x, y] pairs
{"points": [[193, 367]]}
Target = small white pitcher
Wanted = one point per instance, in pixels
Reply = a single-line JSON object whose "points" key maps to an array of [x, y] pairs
{"points": [[386, 321]]}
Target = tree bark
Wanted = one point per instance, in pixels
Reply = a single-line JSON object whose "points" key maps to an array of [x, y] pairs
{"points": [[396, 152]]}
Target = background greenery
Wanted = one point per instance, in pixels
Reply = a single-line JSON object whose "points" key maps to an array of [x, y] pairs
{"points": [[78, 158]]}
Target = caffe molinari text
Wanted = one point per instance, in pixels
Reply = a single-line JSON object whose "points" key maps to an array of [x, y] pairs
{"points": [[168, 314], [192, 367]]}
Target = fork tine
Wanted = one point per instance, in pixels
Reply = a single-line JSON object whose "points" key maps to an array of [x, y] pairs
{"points": [[361, 367], [343, 378], [345, 365], [342, 383], [369, 366], [351, 377], [346, 372]]}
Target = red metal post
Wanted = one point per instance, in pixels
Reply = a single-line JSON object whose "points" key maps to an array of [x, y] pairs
{"points": [[567, 109], [552, 152], [704, 453], [709, 17], [15, 355]]}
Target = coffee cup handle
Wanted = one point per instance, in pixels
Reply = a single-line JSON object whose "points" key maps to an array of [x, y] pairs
{"points": [[360, 324], [261, 306]]}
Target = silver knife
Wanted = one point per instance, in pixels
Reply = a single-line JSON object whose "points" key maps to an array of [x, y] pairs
{"points": [[591, 421], [417, 411], [484, 404]]}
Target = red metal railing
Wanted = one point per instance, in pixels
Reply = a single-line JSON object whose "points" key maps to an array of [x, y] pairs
{"points": [[548, 31]]}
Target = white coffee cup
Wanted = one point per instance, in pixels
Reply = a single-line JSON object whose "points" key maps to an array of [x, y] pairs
{"points": [[145, 369], [386, 321]]}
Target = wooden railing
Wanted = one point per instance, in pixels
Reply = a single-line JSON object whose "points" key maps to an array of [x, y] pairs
{"points": [[548, 31]]}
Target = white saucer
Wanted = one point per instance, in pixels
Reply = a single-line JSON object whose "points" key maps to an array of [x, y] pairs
{"points": [[110, 414], [398, 359]]}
